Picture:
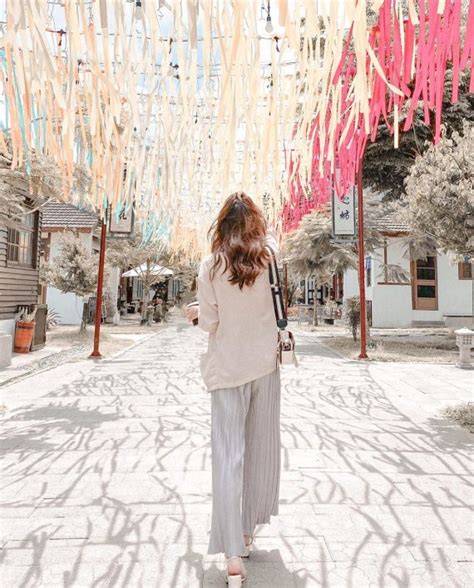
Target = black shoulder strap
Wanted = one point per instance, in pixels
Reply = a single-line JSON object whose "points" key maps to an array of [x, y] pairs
{"points": [[277, 294]]}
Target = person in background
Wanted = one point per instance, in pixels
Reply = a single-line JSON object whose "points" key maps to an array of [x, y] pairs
{"points": [[241, 372]]}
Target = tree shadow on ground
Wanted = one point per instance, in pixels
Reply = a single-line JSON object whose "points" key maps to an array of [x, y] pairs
{"points": [[107, 481]]}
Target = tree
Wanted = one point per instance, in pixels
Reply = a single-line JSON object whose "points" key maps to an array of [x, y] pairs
{"points": [[141, 255], [387, 167], [293, 284], [311, 252], [73, 270], [186, 272], [27, 187], [440, 192], [352, 315]]}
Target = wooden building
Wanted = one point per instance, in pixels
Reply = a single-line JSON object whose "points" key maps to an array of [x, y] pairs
{"points": [[19, 268]]}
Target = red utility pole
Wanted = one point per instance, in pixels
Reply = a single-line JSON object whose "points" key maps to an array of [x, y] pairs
{"points": [[100, 284], [363, 313]]}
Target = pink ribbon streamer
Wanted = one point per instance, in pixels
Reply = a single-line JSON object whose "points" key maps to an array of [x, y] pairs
{"points": [[435, 42]]}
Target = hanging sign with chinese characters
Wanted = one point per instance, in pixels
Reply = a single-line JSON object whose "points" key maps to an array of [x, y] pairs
{"points": [[343, 214], [121, 221]]}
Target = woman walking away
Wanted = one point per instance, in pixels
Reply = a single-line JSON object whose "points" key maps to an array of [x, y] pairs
{"points": [[240, 370]]}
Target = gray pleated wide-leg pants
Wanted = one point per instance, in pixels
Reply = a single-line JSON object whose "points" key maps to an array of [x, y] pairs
{"points": [[245, 435]]}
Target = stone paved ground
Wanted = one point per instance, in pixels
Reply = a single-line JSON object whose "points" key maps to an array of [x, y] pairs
{"points": [[106, 475]]}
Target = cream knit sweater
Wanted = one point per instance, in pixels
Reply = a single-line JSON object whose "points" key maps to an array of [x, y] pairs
{"points": [[242, 329]]}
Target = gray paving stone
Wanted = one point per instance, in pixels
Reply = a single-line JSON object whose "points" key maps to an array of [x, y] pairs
{"points": [[106, 475]]}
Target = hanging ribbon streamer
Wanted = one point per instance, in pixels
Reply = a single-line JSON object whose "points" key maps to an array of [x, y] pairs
{"points": [[170, 106], [408, 54]]}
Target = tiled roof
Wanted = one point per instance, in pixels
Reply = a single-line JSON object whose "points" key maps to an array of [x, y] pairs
{"points": [[390, 224], [58, 215]]}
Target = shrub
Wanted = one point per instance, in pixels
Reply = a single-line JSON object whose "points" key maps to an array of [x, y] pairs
{"points": [[52, 319], [462, 414], [352, 315]]}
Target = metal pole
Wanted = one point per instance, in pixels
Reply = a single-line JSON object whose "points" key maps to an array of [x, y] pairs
{"points": [[285, 267], [363, 313], [100, 284]]}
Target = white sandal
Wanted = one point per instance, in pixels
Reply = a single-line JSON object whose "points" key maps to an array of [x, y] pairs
{"points": [[248, 547], [236, 580]]}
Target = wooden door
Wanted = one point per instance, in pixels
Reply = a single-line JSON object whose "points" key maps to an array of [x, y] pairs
{"points": [[425, 284]]}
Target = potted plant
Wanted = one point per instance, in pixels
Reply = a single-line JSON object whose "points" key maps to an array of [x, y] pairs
{"points": [[25, 328]]}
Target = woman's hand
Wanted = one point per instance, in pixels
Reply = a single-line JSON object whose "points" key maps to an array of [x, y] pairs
{"points": [[191, 312]]}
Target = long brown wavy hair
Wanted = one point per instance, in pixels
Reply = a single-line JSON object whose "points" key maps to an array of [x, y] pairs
{"points": [[238, 240]]}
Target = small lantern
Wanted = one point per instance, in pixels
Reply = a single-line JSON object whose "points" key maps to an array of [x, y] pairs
{"points": [[465, 342]]}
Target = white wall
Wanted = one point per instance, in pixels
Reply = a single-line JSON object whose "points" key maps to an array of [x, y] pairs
{"points": [[68, 306], [454, 295], [392, 306], [350, 283], [391, 303]]}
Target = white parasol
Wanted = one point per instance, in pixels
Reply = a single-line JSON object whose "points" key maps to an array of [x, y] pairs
{"points": [[154, 270]]}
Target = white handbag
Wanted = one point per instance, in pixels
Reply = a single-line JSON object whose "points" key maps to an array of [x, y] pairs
{"points": [[286, 353], [286, 348]]}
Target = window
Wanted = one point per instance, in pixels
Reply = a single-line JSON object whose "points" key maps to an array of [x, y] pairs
{"points": [[465, 270], [338, 286], [45, 249], [21, 242], [425, 289]]}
